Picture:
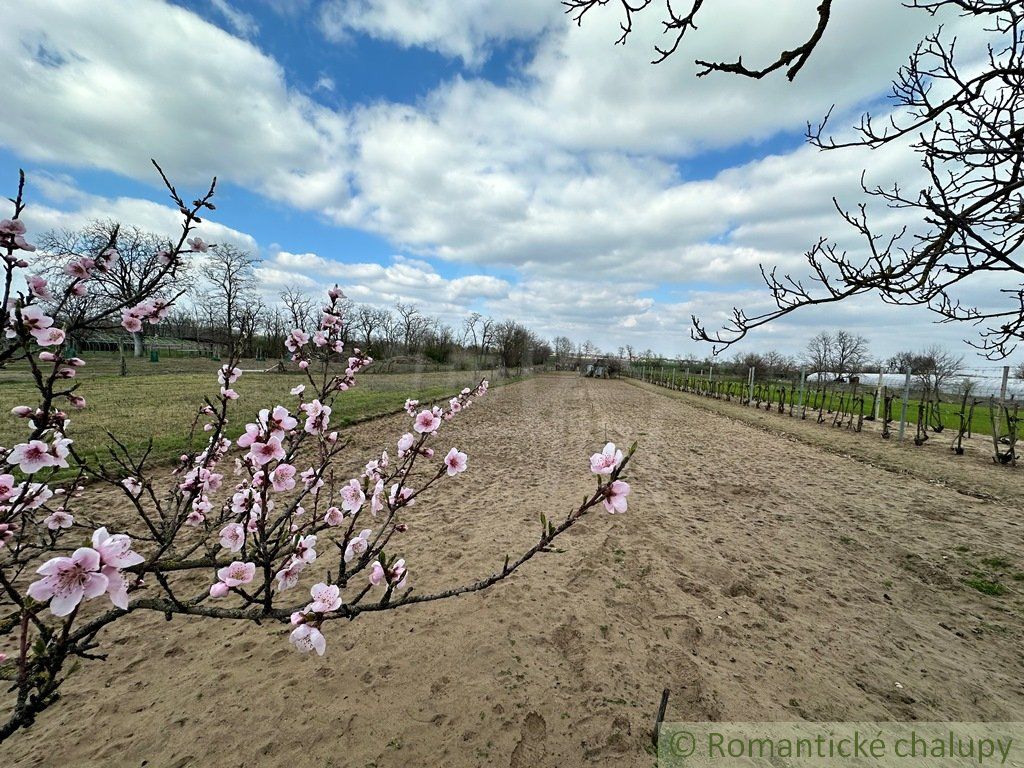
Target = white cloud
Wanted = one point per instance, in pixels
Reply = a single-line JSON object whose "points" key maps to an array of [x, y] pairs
{"points": [[456, 28], [241, 22], [95, 85]]}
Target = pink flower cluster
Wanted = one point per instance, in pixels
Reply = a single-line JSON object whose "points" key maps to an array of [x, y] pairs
{"points": [[89, 572], [152, 311], [615, 493]]}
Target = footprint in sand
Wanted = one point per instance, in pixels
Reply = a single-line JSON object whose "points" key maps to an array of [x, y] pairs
{"points": [[530, 749]]}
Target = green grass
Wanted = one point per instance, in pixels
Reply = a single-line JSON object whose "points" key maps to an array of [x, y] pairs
{"points": [[160, 405], [986, 587]]}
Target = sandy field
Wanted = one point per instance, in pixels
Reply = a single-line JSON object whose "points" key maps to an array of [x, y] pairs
{"points": [[756, 575]]}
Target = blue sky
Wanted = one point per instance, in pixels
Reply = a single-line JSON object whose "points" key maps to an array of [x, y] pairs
{"points": [[464, 155]]}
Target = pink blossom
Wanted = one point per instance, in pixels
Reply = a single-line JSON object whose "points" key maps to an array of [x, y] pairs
{"points": [[283, 478], [48, 337], [308, 638], [615, 496], [237, 573], [232, 537], [377, 499], [59, 519], [228, 375], [288, 576], [394, 576], [115, 550], [252, 432], [403, 498], [132, 485], [352, 496], [117, 586], [326, 598], [7, 486], [69, 580], [197, 244], [426, 422], [230, 394], [219, 589], [455, 461], [37, 284], [358, 545], [31, 456], [604, 463], [305, 548], [131, 323], [334, 517], [405, 443], [263, 453], [298, 390]]}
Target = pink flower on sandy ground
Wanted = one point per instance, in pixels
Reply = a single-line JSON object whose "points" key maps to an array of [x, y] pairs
{"points": [[334, 517], [352, 496], [232, 537], [59, 519], [455, 462], [7, 487], [615, 496], [395, 575], [326, 598], [288, 576], [237, 573], [69, 580], [263, 453], [405, 443], [116, 549], [132, 485], [377, 499], [307, 638], [358, 545], [426, 422], [283, 478], [604, 463]]}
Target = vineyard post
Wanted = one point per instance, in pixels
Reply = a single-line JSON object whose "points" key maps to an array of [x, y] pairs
{"points": [[878, 395], [750, 385], [803, 381], [903, 408], [1002, 397]]}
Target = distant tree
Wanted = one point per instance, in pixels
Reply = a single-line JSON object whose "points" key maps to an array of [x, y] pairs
{"points": [[563, 351], [301, 307], [932, 367], [849, 353], [227, 292], [818, 354], [1019, 373]]}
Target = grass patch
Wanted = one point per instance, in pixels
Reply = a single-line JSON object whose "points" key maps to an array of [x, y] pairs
{"points": [[160, 408], [986, 587], [996, 562]]}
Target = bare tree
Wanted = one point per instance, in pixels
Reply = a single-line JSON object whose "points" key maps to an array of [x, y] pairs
{"points": [[368, 321], [301, 307], [965, 126], [932, 367], [137, 263], [818, 354], [227, 291], [849, 353]]}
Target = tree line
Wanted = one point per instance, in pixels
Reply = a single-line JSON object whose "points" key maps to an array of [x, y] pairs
{"points": [[223, 305]]}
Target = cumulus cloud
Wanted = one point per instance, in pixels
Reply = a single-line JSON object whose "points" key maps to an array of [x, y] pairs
{"points": [[465, 29], [106, 88]]}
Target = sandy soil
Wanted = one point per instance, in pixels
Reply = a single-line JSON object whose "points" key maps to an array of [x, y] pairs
{"points": [[755, 576]]}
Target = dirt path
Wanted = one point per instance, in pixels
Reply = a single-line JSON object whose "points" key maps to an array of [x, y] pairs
{"points": [[756, 577]]}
